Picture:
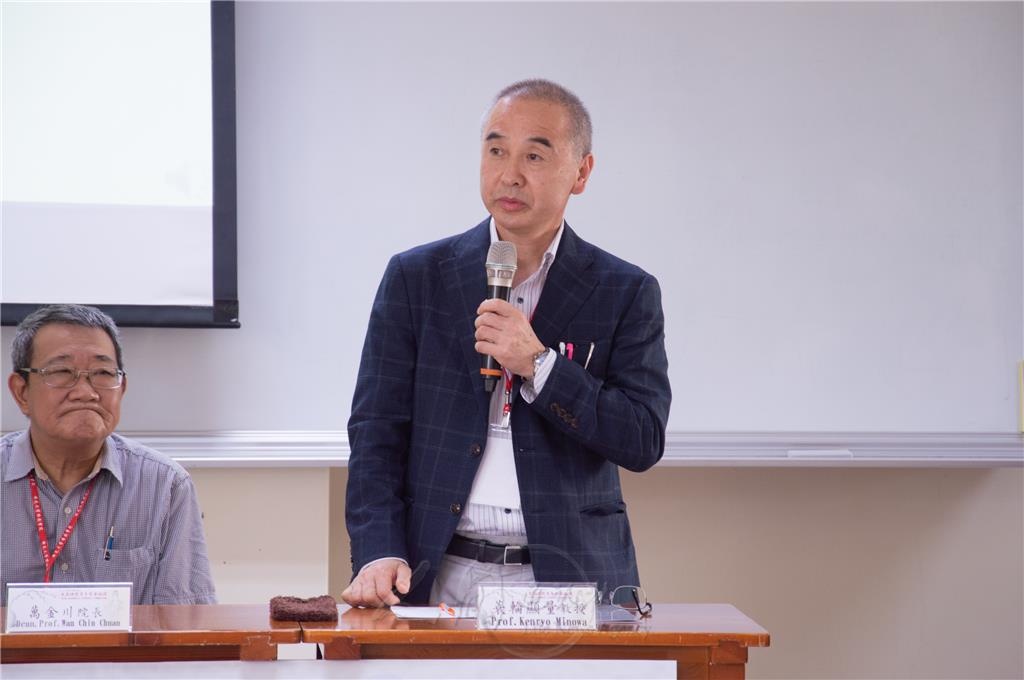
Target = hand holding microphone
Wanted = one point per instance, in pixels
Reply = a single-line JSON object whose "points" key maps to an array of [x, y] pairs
{"points": [[503, 333], [501, 268]]}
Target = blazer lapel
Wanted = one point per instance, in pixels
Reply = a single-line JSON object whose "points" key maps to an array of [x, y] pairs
{"points": [[569, 283], [465, 280]]}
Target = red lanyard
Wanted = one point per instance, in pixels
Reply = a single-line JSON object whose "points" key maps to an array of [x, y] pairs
{"points": [[506, 406], [44, 547]]}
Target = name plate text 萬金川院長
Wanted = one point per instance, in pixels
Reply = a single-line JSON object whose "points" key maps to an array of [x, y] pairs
{"points": [[61, 607]]}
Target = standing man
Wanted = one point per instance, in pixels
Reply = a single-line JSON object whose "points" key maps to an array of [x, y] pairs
{"points": [[438, 476], [80, 503]]}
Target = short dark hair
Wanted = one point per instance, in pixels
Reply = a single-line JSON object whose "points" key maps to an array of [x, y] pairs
{"points": [[74, 315], [546, 90]]}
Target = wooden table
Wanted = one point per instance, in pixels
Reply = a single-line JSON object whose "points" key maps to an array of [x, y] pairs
{"points": [[707, 641], [163, 633]]}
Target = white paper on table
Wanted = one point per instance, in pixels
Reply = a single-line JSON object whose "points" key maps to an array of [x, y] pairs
{"points": [[407, 612]]}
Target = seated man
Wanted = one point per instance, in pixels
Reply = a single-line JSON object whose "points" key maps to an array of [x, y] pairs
{"points": [[71, 486]]}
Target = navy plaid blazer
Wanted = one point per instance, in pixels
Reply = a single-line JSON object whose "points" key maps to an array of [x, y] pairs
{"points": [[420, 413]]}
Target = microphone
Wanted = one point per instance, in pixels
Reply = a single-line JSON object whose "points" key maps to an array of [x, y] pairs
{"points": [[501, 267]]}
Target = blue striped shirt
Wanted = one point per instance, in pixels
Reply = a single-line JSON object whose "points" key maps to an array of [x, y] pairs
{"points": [[146, 497]]}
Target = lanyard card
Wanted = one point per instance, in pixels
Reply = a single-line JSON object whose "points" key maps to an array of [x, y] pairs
{"points": [[53, 607]]}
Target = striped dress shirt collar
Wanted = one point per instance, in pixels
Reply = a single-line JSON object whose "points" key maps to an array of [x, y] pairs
{"points": [[549, 254], [23, 460]]}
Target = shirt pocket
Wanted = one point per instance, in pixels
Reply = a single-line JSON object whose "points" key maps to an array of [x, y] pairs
{"points": [[134, 564]]}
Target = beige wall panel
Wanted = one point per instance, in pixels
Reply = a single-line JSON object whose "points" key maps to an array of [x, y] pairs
{"points": [[880, 573]]}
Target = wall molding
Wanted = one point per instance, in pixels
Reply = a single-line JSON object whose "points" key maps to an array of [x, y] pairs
{"points": [[329, 448]]}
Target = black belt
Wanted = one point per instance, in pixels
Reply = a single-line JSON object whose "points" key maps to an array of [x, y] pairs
{"points": [[485, 551]]}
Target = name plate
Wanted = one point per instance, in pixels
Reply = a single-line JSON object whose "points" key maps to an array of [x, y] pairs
{"points": [[537, 606], [53, 607]]}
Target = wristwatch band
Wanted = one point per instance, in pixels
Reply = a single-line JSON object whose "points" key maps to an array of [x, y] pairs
{"points": [[538, 360]]}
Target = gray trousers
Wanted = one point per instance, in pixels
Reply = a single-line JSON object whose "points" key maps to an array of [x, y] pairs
{"points": [[458, 577]]}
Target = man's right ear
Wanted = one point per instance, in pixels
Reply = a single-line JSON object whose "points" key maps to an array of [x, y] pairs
{"points": [[18, 385]]}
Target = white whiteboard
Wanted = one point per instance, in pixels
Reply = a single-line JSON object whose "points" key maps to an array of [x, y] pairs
{"points": [[829, 193]]}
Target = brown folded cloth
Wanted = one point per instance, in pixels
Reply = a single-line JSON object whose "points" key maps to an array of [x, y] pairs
{"points": [[286, 608]]}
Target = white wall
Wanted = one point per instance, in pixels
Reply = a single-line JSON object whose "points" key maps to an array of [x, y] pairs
{"points": [[830, 194]]}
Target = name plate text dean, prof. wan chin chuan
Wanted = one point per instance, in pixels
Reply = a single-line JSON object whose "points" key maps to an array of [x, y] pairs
{"points": [[58, 607]]}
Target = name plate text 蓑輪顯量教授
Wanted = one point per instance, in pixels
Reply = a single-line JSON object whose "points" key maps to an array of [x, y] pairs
{"points": [[537, 606]]}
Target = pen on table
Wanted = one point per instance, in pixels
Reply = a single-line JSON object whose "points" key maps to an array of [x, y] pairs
{"points": [[110, 545]]}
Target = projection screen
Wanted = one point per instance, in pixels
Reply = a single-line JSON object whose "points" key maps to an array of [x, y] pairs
{"points": [[118, 160]]}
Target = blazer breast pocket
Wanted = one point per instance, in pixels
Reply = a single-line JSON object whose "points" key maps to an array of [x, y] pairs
{"points": [[592, 355]]}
